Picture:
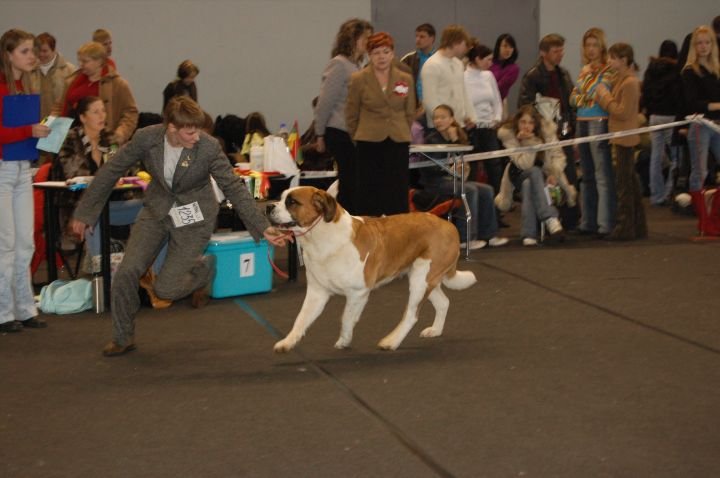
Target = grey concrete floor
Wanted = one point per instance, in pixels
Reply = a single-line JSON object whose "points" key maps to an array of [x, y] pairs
{"points": [[583, 359]]}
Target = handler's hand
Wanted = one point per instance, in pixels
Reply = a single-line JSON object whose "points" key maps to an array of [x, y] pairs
{"points": [[78, 228], [275, 237]]}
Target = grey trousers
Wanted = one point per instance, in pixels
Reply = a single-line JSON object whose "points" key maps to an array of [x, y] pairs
{"points": [[183, 272]]}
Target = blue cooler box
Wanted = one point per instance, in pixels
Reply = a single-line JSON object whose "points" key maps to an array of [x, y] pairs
{"points": [[242, 266]]}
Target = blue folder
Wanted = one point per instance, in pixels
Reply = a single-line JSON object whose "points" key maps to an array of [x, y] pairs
{"points": [[20, 110]]}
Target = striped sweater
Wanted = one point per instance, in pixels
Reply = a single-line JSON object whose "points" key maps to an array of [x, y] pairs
{"points": [[582, 95]]}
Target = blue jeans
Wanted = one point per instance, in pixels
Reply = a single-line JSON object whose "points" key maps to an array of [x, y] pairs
{"points": [[700, 141], [660, 140], [597, 198], [483, 224], [535, 204], [16, 241]]}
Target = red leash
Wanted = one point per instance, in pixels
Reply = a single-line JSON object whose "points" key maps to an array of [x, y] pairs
{"points": [[291, 235]]}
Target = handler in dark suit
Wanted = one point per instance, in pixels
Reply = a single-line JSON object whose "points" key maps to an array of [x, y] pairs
{"points": [[181, 159], [379, 111]]}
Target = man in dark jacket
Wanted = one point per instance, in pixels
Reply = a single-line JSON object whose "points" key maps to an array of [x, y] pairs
{"points": [[548, 78], [424, 41]]}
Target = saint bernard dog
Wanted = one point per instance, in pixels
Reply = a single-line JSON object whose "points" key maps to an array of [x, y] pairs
{"points": [[352, 255]]}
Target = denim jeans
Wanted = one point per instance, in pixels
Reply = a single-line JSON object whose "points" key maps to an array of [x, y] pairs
{"points": [[660, 140], [701, 140], [483, 224], [597, 198], [535, 204], [16, 241]]}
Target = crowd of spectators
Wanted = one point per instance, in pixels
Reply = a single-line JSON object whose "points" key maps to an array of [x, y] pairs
{"points": [[371, 102]]}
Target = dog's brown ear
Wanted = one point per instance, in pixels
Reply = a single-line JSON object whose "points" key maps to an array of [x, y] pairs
{"points": [[325, 204]]}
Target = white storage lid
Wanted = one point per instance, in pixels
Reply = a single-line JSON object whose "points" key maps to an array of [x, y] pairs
{"points": [[227, 237]]}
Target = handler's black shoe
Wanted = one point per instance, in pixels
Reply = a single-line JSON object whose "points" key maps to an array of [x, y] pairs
{"points": [[34, 323], [10, 327]]}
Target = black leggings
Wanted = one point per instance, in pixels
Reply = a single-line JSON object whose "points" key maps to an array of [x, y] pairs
{"points": [[340, 145], [382, 178]]}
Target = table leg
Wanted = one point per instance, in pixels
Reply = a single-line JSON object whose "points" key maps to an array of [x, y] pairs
{"points": [[50, 234], [468, 215], [105, 252]]}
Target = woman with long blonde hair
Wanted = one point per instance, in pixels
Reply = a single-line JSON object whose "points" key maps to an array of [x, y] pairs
{"points": [[598, 184], [701, 84], [17, 61]]}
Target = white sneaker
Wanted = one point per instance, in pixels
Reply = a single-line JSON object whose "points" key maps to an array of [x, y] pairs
{"points": [[553, 226], [474, 245], [529, 241], [497, 241]]}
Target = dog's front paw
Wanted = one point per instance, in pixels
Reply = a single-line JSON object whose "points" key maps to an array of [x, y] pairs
{"points": [[342, 344], [284, 346], [387, 344], [430, 332]]}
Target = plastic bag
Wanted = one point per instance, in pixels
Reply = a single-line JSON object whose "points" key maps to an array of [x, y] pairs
{"points": [[66, 297], [278, 158]]}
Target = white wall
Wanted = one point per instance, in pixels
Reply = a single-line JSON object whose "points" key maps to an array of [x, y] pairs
{"points": [[254, 55], [268, 55], [644, 24]]}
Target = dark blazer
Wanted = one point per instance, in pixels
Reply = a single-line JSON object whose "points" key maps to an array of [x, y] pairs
{"points": [[372, 115], [537, 80], [191, 181]]}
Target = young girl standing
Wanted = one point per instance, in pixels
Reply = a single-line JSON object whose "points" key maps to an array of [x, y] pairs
{"points": [[623, 105], [17, 305], [598, 184]]}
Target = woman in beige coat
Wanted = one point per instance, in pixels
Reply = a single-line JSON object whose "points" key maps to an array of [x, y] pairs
{"points": [[53, 69], [379, 111]]}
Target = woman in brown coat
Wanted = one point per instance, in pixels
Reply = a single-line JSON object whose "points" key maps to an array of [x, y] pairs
{"points": [[379, 111], [623, 106], [95, 77]]}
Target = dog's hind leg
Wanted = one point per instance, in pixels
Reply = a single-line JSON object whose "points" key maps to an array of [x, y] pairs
{"points": [[441, 303], [315, 301], [353, 308], [418, 288]]}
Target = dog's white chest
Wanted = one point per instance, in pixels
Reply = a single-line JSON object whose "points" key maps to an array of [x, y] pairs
{"points": [[338, 272]]}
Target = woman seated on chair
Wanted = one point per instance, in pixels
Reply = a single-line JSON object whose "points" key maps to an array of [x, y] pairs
{"points": [[484, 225], [86, 149], [530, 172]]}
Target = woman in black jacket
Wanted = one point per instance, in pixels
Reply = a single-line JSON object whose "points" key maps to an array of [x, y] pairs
{"points": [[184, 84], [662, 103], [701, 84]]}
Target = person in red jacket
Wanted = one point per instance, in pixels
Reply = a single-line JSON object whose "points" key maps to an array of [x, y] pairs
{"points": [[17, 305]]}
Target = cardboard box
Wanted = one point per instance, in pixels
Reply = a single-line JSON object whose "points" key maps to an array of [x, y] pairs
{"points": [[242, 266]]}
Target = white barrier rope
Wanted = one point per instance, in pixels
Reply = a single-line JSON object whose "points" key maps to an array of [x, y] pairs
{"points": [[569, 142]]}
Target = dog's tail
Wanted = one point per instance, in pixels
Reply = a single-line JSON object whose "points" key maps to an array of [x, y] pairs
{"points": [[459, 280]]}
